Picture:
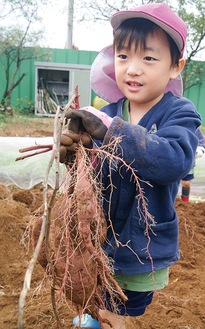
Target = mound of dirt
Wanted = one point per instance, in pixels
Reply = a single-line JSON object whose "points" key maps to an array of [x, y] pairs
{"points": [[180, 305]]}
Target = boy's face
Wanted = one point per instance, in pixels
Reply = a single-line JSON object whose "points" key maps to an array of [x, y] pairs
{"points": [[143, 74]]}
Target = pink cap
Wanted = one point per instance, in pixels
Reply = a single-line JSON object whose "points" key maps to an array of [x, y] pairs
{"points": [[102, 71], [160, 14]]}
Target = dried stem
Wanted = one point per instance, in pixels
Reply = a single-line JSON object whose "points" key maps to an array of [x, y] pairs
{"points": [[47, 207], [60, 111]]}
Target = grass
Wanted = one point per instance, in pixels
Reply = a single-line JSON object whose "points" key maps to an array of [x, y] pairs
{"points": [[17, 118], [25, 125]]}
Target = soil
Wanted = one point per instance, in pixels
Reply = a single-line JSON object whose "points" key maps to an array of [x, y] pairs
{"points": [[180, 305]]}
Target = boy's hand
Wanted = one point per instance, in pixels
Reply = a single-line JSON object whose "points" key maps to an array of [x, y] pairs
{"points": [[88, 119], [84, 124]]}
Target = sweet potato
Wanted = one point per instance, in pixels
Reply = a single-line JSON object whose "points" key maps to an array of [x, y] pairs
{"points": [[77, 232]]}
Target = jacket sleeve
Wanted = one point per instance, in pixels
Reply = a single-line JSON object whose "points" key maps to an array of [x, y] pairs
{"points": [[164, 154]]}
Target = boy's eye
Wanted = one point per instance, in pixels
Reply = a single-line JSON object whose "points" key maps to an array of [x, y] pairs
{"points": [[122, 56], [149, 58]]}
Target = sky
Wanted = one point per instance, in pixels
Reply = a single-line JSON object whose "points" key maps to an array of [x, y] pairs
{"points": [[86, 36]]}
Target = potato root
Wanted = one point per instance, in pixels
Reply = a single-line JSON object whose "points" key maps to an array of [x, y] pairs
{"points": [[74, 248]]}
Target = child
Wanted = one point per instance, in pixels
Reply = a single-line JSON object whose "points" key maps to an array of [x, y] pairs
{"points": [[140, 76], [186, 181]]}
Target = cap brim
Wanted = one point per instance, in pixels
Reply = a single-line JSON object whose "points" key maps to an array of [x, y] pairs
{"points": [[116, 21], [160, 14], [102, 78]]}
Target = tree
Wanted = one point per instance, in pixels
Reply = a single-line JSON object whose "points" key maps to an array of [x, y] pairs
{"points": [[191, 11], [17, 42], [69, 42], [10, 6]]}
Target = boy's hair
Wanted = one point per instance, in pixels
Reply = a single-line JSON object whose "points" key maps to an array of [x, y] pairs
{"points": [[137, 30]]}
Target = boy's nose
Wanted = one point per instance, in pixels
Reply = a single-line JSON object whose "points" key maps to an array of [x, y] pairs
{"points": [[134, 69]]}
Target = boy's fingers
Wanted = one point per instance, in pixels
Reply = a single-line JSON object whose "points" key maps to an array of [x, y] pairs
{"points": [[68, 137], [86, 139], [66, 140], [72, 147], [63, 152]]}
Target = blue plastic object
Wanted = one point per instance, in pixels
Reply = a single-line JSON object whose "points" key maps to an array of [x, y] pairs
{"points": [[86, 321]]}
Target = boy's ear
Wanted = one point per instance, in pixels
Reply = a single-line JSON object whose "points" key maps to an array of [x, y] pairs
{"points": [[177, 69]]}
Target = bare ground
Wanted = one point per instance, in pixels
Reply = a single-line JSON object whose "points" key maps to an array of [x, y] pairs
{"points": [[181, 305]]}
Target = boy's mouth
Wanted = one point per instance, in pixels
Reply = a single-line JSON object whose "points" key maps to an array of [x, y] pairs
{"points": [[134, 84]]}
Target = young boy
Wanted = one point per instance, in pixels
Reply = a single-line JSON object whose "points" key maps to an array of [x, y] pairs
{"points": [[140, 76]]}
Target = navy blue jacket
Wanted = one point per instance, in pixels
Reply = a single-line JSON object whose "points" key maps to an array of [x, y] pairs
{"points": [[162, 149]]}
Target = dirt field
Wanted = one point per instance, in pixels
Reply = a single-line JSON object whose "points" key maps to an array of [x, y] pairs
{"points": [[181, 305]]}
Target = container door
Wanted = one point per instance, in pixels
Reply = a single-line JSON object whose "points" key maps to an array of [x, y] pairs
{"points": [[82, 79]]}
